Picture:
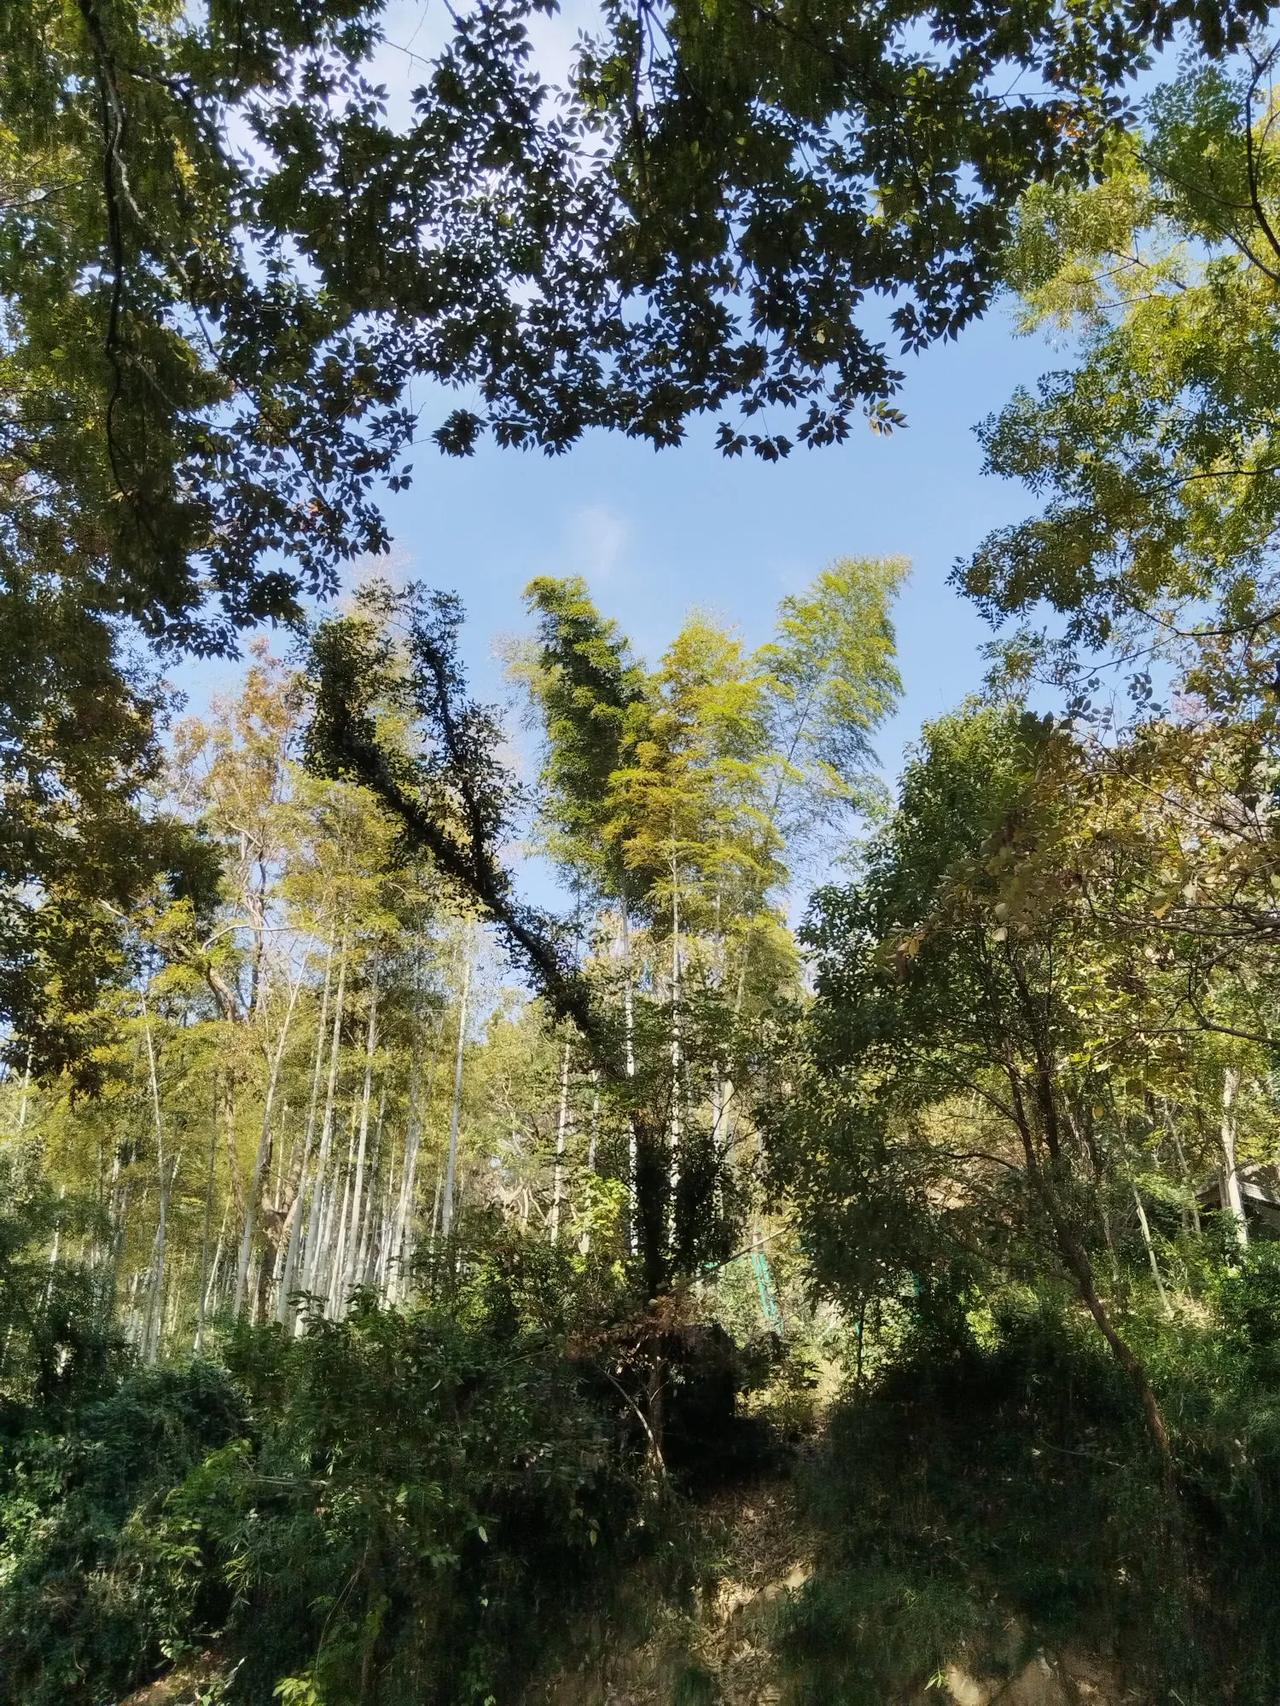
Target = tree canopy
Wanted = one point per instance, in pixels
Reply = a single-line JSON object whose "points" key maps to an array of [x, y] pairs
{"points": [[662, 1201]]}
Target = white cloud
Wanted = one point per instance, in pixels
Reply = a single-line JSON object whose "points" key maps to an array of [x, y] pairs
{"points": [[597, 539]]}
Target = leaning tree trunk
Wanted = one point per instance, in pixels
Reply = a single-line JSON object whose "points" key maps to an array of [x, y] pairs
{"points": [[1075, 1257]]}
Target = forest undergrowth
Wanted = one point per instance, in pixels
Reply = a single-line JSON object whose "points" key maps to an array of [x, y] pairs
{"points": [[461, 1501], [631, 1196]]}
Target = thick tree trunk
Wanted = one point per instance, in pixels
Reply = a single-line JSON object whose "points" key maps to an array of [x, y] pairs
{"points": [[1075, 1258], [1081, 1269]]}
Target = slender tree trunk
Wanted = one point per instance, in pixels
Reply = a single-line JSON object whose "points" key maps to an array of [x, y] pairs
{"points": [[350, 1271], [55, 1251], [387, 1221], [311, 1249], [264, 1149], [154, 1302], [435, 1212], [228, 1080], [291, 1238], [1230, 1172], [677, 1060], [25, 1098], [284, 1160], [291, 1231], [562, 1126], [584, 1243], [339, 1254], [376, 1171], [319, 1284], [175, 1299], [629, 1066], [594, 1128], [120, 1193], [1151, 1253], [204, 1235], [398, 1254], [455, 1111], [214, 1267], [1188, 1183]]}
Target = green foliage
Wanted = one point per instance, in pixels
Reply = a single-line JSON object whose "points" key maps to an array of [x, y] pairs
{"points": [[832, 679], [209, 350], [98, 1584], [429, 1492], [397, 1506], [972, 1491], [237, 329], [914, 1008], [56, 1342], [592, 696], [1153, 453]]}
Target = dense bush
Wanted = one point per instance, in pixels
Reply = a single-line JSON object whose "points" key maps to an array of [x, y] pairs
{"points": [[1005, 1483], [97, 1584], [427, 1499], [398, 1506]]}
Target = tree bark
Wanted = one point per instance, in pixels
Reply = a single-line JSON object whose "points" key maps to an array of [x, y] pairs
{"points": [[1230, 1172], [260, 1159], [562, 1124], [676, 1121], [455, 1111], [311, 1251], [351, 1265]]}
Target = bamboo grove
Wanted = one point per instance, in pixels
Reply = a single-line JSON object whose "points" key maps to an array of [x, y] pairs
{"points": [[461, 1163], [306, 1081]]}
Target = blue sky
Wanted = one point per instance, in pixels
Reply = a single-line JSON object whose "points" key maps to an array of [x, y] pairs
{"points": [[657, 534]]}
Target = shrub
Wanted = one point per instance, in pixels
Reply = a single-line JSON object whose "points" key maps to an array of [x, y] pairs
{"points": [[97, 1586]]}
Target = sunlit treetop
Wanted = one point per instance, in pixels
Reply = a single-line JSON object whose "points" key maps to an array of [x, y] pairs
{"points": [[1153, 456]]}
